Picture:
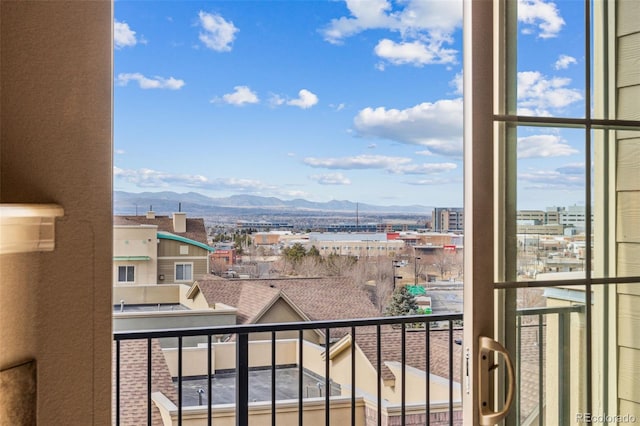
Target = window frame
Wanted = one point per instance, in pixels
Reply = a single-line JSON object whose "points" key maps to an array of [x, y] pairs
{"points": [[175, 271], [127, 268]]}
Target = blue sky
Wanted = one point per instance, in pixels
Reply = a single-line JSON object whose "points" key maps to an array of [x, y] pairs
{"points": [[348, 100]]}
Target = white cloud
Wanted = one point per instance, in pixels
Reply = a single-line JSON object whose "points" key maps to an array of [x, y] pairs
{"points": [[572, 169], [150, 82], [457, 83], [395, 165], [538, 95], [423, 169], [331, 179], [551, 180], [541, 14], [123, 35], [423, 27], [433, 181], [241, 96], [276, 100], [436, 126], [357, 162], [119, 152], [217, 33], [543, 146], [564, 61], [306, 99], [148, 178], [414, 53]]}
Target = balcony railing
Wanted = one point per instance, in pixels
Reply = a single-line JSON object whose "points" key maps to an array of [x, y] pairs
{"points": [[401, 350], [397, 366]]}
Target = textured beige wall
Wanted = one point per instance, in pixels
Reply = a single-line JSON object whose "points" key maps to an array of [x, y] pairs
{"points": [[136, 241], [55, 116]]}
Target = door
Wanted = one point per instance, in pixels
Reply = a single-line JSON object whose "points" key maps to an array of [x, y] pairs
{"points": [[552, 222]]}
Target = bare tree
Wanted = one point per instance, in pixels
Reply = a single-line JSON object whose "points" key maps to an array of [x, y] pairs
{"points": [[218, 266]]}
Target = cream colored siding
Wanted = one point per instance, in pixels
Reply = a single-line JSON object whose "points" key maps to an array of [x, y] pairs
{"points": [[629, 71], [172, 248], [283, 312], [166, 267], [627, 17], [628, 206], [628, 161], [629, 383]]}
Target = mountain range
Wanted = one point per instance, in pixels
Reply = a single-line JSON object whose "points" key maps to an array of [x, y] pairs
{"points": [[166, 202]]}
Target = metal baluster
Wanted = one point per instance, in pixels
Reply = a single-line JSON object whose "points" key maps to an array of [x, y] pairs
{"points": [[242, 380], [451, 372], [273, 378], [353, 376], [180, 381], [118, 383], [379, 368], [209, 368], [427, 369], [300, 373], [403, 362], [149, 379], [327, 379], [540, 372]]}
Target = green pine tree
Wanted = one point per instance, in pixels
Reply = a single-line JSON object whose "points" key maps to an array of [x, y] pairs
{"points": [[402, 303]]}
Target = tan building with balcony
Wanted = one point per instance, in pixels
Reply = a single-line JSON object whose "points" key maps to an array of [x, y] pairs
{"points": [[159, 250]]}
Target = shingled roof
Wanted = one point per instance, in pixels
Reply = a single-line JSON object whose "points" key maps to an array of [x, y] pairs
{"points": [[415, 349], [195, 226], [328, 298], [133, 381], [250, 299]]}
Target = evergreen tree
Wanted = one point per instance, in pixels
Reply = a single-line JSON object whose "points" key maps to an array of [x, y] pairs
{"points": [[295, 253], [402, 303]]}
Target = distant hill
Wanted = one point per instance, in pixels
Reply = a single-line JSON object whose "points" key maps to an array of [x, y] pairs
{"points": [[167, 202]]}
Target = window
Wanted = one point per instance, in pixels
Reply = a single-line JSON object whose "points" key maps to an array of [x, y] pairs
{"points": [[126, 274], [184, 271]]}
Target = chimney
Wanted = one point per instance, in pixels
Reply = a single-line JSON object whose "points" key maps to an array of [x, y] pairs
{"points": [[151, 214], [179, 222]]}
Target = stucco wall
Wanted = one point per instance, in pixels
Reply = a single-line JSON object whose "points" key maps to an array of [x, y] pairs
{"points": [[136, 241], [55, 115]]}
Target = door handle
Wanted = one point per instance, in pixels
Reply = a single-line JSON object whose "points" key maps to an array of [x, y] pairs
{"points": [[487, 416]]}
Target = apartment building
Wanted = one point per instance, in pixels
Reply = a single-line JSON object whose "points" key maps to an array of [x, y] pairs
{"points": [[447, 219], [154, 249]]}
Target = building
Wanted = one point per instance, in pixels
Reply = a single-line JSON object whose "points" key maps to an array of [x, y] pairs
{"points": [[262, 225], [354, 244], [160, 250], [447, 219]]}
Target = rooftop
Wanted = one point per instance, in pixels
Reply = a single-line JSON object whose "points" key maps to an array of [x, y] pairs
{"points": [[223, 386], [155, 307], [195, 226]]}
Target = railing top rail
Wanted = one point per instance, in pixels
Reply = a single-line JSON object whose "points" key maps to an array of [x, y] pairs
{"points": [[289, 326], [550, 310]]}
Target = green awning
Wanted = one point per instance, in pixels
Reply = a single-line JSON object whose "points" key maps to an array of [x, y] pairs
{"points": [[129, 258], [169, 236]]}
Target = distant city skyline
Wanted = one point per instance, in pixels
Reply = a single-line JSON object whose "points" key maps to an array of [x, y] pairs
{"points": [[329, 100]]}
